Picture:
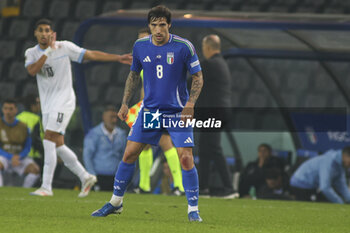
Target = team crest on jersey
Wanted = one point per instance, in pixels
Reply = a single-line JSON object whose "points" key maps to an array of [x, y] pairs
{"points": [[170, 58]]}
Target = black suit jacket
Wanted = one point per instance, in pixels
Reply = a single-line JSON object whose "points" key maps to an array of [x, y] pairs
{"points": [[216, 91]]}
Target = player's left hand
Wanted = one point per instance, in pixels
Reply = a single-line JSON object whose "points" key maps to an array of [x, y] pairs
{"points": [[15, 160], [188, 112], [126, 59]]}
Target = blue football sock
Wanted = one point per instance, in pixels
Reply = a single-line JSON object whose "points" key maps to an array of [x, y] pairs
{"points": [[190, 183], [122, 178]]}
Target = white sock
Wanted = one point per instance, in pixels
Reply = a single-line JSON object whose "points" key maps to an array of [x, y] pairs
{"points": [[192, 208], [30, 180], [1, 180], [116, 200], [50, 162], [71, 161]]}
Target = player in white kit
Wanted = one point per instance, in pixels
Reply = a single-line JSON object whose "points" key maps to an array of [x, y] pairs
{"points": [[50, 62]]}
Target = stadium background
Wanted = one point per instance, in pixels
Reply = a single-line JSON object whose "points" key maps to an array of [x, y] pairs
{"points": [[276, 66]]}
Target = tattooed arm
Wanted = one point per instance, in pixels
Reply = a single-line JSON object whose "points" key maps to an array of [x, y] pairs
{"points": [[130, 88], [197, 84]]}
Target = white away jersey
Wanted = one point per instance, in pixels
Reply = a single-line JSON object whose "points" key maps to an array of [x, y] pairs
{"points": [[55, 77]]}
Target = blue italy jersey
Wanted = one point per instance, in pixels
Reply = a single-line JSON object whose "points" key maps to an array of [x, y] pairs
{"points": [[165, 71]]}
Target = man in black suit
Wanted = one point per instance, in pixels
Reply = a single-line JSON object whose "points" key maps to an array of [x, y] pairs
{"points": [[215, 98]]}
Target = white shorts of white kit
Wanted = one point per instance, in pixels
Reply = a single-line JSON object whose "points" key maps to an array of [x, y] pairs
{"points": [[18, 169], [57, 121]]}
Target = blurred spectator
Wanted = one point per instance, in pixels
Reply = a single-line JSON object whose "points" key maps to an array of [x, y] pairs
{"points": [[253, 174], [30, 116], [323, 178], [276, 185], [104, 148], [15, 144], [164, 179], [167, 180], [216, 95]]}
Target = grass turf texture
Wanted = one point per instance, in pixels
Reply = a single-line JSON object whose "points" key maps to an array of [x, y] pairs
{"points": [[65, 212]]}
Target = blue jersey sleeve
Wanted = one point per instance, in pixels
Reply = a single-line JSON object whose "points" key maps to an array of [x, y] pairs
{"points": [[6, 154], [136, 64], [192, 62], [27, 145]]}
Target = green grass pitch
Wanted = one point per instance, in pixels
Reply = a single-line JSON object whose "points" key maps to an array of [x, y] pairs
{"points": [[65, 213]]}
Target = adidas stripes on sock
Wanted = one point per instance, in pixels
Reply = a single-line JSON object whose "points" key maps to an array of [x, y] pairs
{"points": [[190, 183], [122, 178]]}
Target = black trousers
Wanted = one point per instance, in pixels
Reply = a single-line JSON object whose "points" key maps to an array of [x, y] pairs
{"points": [[308, 195], [105, 182], [210, 150]]}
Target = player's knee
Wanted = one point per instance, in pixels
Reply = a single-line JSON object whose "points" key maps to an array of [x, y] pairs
{"points": [[186, 161], [130, 157], [51, 138], [55, 137], [32, 168], [60, 141], [165, 142], [35, 168], [132, 151]]}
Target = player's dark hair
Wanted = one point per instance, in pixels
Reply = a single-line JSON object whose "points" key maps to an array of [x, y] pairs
{"points": [[10, 101], [45, 22], [159, 11], [267, 146], [144, 30], [29, 100], [346, 150]]}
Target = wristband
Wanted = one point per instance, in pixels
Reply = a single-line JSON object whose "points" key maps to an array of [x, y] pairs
{"points": [[48, 51]]}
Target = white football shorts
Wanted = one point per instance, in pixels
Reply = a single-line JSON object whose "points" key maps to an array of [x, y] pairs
{"points": [[18, 169], [57, 121]]}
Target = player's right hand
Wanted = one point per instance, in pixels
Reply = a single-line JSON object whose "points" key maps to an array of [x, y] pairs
{"points": [[123, 112], [126, 59], [16, 160], [52, 40]]}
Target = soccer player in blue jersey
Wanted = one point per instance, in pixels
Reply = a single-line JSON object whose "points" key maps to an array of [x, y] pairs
{"points": [[165, 60]]}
